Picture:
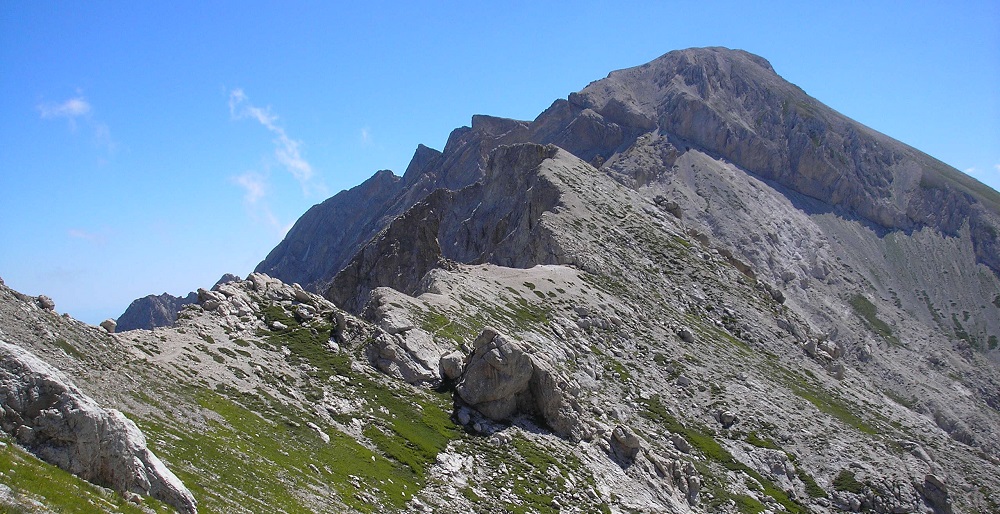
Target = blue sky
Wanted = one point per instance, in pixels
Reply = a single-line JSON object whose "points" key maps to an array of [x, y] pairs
{"points": [[152, 148]]}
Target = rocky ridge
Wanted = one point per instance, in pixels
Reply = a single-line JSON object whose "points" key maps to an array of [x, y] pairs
{"points": [[161, 310], [618, 306]]}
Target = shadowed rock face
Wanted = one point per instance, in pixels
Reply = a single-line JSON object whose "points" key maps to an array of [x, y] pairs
{"points": [[65, 427], [153, 311], [314, 249], [495, 221]]}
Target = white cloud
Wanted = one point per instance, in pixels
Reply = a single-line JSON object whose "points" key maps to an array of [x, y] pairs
{"points": [[366, 136], [286, 150], [72, 108], [997, 167], [79, 107], [254, 186], [93, 237]]}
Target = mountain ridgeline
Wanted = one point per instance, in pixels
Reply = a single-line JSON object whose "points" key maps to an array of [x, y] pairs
{"points": [[728, 104], [688, 287]]}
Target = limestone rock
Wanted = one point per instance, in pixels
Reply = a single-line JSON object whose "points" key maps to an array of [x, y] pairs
{"points": [[496, 374], [935, 492], [501, 378], [109, 325], [56, 421], [625, 444], [46, 303], [412, 358], [451, 365]]}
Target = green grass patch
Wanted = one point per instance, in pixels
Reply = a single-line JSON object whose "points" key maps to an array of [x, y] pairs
{"points": [[70, 350], [812, 488], [762, 442], [32, 480], [846, 481], [869, 313], [249, 462], [747, 504], [713, 451]]}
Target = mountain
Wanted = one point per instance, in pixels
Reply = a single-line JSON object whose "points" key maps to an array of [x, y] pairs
{"points": [[161, 310], [689, 287]]}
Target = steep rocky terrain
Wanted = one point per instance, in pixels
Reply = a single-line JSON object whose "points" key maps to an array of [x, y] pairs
{"points": [[689, 287]]}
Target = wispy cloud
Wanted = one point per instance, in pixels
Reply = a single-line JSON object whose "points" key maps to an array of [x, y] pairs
{"points": [[287, 151], [997, 167], [72, 108], [366, 136], [254, 186], [92, 237], [79, 108]]}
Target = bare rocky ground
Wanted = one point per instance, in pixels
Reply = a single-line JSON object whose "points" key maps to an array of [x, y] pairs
{"points": [[679, 382], [621, 321]]}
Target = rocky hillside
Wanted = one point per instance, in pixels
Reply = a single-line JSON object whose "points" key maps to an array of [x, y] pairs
{"points": [[689, 287]]}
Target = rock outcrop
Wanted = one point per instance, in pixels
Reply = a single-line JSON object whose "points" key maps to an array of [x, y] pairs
{"points": [[496, 221], [63, 426], [503, 377]]}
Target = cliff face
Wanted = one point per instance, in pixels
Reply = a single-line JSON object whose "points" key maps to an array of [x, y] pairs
{"points": [[732, 105]]}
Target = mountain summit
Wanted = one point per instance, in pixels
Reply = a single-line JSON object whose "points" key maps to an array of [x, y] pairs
{"points": [[727, 104], [688, 287]]}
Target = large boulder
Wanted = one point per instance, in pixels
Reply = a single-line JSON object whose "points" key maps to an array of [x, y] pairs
{"points": [[503, 378], [60, 424]]}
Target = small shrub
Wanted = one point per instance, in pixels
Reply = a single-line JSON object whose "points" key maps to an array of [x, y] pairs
{"points": [[846, 482]]}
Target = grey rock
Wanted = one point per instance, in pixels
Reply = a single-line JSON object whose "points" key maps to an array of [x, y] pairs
{"points": [[726, 418], [935, 492], [501, 378], [452, 365], [625, 444], [304, 313], [680, 443], [496, 374], [410, 357], [65, 427], [694, 489], [685, 334], [837, 370], [109, 325], [46, 303]]}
